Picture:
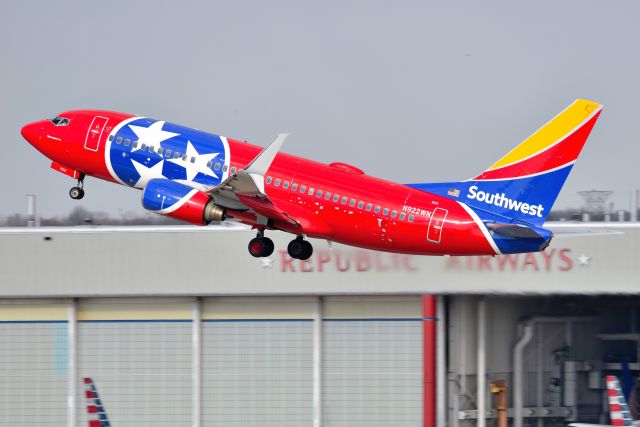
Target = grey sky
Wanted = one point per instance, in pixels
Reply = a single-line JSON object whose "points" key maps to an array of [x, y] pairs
{"points": [[409, 91]]}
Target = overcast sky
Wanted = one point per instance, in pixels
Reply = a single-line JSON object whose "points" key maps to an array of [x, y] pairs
{"points": [[412, 91]]}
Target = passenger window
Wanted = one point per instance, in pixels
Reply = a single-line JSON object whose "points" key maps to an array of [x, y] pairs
{"points": [[352, 202], [385, 211], [285, 185], [369, 207], [127, 142], [135, 144], [233, 169], [184, 157], [277, 183], [294, 187], [216, 166], [327, 196], [377, 209], [150, 149], [160, 150], [411, 218], [360, 204], [110, 137], [168, 153], [269, 179], [119, 140], [303, 188], [176, 155], [402, 216], [225, 168], [311, 191], [394, 214], [344, 200], [336, 197], [143, 146], [319, 193], [209, 164], [193, 159]]}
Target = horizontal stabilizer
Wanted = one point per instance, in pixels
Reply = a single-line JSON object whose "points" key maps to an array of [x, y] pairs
{"points": [[514, 230]]}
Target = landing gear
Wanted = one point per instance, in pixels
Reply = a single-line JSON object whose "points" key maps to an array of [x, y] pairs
{"points": [[77, 192], [300, 249], [261, 246]]}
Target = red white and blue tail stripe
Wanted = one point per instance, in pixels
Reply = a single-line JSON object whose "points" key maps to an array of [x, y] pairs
{"points": [[618, 408], [95, 409]]}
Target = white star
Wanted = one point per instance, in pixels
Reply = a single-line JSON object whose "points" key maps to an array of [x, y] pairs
{"points": [[266, 262], [147, 173], [583, 260], [153, 135], [200, 164]]}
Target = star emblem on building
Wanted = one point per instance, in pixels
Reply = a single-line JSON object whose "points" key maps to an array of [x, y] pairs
{"points": [[266, 262], [583, 260]]}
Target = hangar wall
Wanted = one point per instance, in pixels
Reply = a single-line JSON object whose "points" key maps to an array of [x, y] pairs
{"points": [[255, 366], [118, 305]]}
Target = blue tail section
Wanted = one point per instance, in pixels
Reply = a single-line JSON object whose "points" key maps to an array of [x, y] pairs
{"points": [[526, 200]]}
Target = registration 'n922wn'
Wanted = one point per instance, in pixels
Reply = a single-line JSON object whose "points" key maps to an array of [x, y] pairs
{"points": [[416, 211]]}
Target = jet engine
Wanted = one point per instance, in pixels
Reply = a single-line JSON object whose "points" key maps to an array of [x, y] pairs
{"points": [[180, 201]]}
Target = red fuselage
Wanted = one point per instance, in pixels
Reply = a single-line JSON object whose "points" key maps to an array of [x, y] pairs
{"points": [[336, 202]]}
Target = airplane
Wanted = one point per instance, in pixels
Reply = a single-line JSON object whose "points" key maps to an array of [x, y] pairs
{"points": [[199, 178], [95, 408], [618, 409]]}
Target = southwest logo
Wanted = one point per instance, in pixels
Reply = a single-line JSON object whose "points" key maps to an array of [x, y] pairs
{"points": [[502, 201]]}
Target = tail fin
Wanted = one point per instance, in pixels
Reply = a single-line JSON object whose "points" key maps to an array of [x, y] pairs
{"points": [[95, 408], [618, 408], [523, 185]]}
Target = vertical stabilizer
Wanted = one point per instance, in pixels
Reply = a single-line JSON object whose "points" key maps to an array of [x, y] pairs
{"points": [[618, 408], [95, 409]]}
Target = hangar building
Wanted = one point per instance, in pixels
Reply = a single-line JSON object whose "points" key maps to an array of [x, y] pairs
{"points": [[179, 326]]}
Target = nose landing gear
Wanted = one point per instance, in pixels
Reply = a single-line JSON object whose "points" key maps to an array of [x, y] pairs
{"points": [[77, 192], [300, 249], [261, 246]]}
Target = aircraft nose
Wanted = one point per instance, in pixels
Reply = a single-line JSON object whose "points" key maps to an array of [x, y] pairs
{"points": [[32, 132]]}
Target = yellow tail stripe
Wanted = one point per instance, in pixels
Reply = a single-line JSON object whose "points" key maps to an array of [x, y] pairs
{"points": [[552, 132]]}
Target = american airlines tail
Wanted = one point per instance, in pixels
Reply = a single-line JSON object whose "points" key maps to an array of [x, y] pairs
{"points": [[522, 186], [95, 409], [619, 412]]}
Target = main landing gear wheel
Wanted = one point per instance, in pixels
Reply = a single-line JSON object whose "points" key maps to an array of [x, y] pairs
{"points": [[76, 193], [261, 247], [300, 249]]}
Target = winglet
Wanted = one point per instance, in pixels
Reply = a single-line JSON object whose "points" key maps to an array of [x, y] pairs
{"points": [[261, 163]]}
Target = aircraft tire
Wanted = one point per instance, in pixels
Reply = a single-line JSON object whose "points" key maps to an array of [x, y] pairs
{"points": [[300, 249], [76, 193]]}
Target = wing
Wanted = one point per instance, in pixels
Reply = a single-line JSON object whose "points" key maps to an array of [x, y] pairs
{"points": [[244, 191]]}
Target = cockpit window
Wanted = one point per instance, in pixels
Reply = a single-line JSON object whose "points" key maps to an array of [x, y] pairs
{"points": [[60, 121]]}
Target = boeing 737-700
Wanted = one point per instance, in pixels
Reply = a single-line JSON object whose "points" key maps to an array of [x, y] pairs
{"points": [[199, 177]]}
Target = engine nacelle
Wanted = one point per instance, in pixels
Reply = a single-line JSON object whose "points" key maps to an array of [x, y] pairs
{"points": [[180, 201]]}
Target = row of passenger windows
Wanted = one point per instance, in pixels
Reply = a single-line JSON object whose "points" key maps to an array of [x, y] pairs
{"points": [[168, 153], [337, 198]]}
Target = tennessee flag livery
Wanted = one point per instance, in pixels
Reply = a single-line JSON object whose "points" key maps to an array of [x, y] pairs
{"points": [[200, 177]]}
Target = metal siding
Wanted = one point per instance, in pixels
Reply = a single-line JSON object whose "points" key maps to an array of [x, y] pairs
{"points": [[257, 373], [372, 373], [142, 370], [33, 374]]}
